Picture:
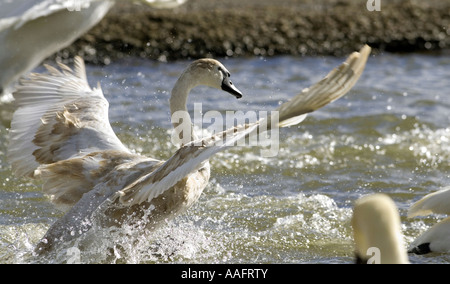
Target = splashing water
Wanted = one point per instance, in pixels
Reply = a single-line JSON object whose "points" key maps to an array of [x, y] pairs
{"points": [[389, 134]]}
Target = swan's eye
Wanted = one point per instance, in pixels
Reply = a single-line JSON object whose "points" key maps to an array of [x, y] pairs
{"points": [[225, 73]]}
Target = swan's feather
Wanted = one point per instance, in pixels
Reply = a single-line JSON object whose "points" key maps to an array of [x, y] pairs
{"points": [[58, 117], [437, 202]]}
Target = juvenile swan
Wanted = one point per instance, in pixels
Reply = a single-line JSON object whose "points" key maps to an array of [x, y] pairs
{"points": [[437, 238], [61, 134], [376, 230]]}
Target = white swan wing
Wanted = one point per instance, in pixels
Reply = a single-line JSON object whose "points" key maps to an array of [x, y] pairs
{"points": [[190, 157], [435, 239], [58, 117], [18, 12], [32, 30], [437, 202]]}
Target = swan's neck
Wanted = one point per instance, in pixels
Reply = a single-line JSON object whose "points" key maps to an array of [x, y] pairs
{"points": [[181, 119]]}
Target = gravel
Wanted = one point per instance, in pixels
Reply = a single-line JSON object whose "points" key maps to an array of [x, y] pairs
{"points": [[232, 28]]}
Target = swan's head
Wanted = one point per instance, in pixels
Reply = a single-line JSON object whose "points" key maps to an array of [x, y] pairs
{"points": [[212, 73], [377, 231]]}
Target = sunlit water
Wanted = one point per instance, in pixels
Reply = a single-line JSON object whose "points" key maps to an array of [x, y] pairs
{"points": [[390, 134]]}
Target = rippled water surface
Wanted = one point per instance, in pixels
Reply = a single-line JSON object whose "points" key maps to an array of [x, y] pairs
{"points": [[390, 134]]}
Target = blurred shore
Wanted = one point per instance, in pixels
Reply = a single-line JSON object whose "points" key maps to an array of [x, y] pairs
{"points": [[212, 28]]}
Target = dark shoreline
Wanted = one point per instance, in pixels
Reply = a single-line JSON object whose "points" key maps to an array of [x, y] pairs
{"points": [[233, 28]]}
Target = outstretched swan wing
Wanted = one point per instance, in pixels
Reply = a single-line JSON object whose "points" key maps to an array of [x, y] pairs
{"points": [[17, 13], [58, 117], [437, 202], [336, 84], [14, 14], [190, 157]]}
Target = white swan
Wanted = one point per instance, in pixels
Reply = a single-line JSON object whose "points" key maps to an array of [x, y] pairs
{"points": [[437, 238], [32, 30], [61, 134], [376, 230]]}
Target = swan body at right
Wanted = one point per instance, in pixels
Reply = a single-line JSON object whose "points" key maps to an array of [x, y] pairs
{"points": [[60, 134], [437, 238]]}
